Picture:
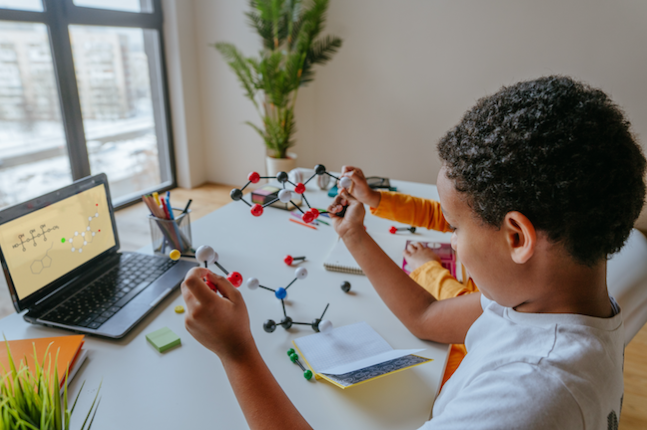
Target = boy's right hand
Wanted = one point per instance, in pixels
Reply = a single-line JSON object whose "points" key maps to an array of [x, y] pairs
{"points": [[220, 323], [360, 189]]}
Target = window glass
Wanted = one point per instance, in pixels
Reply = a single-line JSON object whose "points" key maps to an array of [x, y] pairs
{"points": [[33, 5], [122, 5], [121, 106], [33, 150]]}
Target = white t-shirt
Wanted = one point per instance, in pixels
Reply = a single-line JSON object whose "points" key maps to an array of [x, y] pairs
{"points": [[535, 371]]}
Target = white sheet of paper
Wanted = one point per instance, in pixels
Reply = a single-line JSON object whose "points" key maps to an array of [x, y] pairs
{"points": [[348, 348]]}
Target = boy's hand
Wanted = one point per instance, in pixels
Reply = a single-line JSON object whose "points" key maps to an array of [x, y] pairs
{"points": [[360, 189], [353, 219], [220, 323]]}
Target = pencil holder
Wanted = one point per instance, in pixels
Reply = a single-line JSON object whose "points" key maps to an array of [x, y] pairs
{"points": [[167, 235]]}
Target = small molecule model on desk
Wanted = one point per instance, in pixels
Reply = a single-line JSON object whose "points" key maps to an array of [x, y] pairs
{"points": [[290, 259], [285, 195], [294, 357], [394, 230], [318, 324]]}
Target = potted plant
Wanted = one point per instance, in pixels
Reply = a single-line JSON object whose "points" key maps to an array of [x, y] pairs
{"points": [[31, 400], [290, 31]]}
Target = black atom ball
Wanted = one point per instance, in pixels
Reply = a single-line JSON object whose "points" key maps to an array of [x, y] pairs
{"points": [[286, 322], [269, 326], [282, 177], [236, 194], [320, 169], [345, 286]]}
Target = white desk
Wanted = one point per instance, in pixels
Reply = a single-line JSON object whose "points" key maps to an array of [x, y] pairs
{"points": [[187, 388]]}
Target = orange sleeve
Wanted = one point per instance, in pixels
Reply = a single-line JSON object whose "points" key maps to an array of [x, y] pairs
{"points": [[411, 210], [440, 283]]}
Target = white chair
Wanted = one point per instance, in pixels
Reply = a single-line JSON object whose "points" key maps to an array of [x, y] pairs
{"points": [[627, 282]]}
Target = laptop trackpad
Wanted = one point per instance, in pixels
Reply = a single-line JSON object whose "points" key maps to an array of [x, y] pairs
{"points": [[124, 319]]}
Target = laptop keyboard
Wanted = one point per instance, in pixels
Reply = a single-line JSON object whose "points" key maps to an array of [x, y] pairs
{"points": [[101, 299]]}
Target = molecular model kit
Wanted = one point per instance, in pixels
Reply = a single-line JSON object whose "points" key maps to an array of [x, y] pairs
{"points": [[318, 324], [206, 255], [285, 195]]}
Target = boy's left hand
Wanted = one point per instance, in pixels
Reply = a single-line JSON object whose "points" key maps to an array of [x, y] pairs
{"points": [[220, 323], [353, 219]]}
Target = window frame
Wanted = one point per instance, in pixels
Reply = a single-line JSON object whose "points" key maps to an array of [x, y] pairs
{"points": [[58, 15]]}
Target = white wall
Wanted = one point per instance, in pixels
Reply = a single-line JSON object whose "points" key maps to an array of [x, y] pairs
{"points": [[409, 69], [184, 93]]}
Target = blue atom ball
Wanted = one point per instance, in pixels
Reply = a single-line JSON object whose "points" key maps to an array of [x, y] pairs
{"points": [[281, 293]]}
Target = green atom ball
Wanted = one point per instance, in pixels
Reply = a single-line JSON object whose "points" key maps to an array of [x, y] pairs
{"points": [[63, 240], [307, 374]]}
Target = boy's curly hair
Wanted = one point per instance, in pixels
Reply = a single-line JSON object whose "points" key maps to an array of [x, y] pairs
{"points": [[558, 151]]}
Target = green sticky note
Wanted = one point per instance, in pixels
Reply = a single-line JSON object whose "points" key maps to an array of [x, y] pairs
{"points": [[163, 339]]}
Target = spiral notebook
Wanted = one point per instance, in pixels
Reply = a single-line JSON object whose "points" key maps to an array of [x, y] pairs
{"points": [[340, 259]]}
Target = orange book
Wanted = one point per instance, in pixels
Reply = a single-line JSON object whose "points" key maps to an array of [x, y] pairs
{"points": [[68, 347]]}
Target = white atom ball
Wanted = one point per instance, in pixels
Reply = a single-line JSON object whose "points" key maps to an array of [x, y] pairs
{"points": [[253, 283], [301, 273], [325, 326], [206, 254], [285, 196], [345, 182]]}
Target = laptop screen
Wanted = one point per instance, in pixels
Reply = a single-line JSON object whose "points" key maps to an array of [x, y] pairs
{"points": [[48, 243]]}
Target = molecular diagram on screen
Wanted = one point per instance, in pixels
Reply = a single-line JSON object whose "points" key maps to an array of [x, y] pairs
{"points": [[34, 235], [285, 195], [82, 237]]}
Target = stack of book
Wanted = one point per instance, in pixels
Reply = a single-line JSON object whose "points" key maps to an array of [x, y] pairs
{"points": [[69, 349]]}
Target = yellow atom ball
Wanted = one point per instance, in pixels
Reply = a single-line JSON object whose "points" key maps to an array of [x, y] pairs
{"points": [[175, 255], [179, 309]]}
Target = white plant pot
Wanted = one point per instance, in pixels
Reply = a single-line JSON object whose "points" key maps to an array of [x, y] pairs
{"points": [[276, 165]]}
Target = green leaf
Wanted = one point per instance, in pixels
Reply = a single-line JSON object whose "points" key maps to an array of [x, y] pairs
{"points": [[290, 34], [31, 400], [240, 66]]}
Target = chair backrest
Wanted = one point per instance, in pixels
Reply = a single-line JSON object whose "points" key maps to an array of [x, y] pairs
{"points": [[627, 282]]}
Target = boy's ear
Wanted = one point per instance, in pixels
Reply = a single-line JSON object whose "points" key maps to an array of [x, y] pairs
{"points": [[520, 235]]}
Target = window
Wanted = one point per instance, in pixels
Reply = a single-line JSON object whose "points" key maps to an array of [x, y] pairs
{"points": [[82, 91]]}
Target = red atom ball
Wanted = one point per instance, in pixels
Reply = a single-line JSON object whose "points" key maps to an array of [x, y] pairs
{"points": [[211, 285], [254, 177], [392, 230], [235, 278], [308, 217], [300, 188], [288, 260], [257, 210], [315, 212]]}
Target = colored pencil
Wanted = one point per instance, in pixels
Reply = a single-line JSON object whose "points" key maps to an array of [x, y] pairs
{"points": [[302, 223]]}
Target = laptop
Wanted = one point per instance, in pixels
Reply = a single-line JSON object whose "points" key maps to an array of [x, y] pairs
{"points": [[60, 256]]}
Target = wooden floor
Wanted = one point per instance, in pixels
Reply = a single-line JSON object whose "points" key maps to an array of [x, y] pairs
{"points": [[134, 233]]}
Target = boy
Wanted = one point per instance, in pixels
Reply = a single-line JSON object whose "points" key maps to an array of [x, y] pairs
{"points": [[540, 183]]}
